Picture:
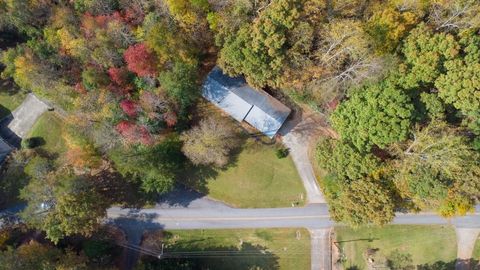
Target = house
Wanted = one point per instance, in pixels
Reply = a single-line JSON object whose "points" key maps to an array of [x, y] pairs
{"points": [[243, 103]]}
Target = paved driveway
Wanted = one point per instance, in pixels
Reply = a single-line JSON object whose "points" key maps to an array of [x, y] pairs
{"points": [[297, 136], [466, 238]]}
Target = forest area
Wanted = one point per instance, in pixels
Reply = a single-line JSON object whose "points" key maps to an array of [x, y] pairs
{"points": [[398, 81]]}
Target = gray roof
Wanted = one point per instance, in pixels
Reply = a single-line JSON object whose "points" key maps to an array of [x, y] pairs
{"points": [[243, 103], [5, 149]]}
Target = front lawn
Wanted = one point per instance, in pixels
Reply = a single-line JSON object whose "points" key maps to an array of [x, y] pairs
{"points": [[242, 249], [476, 251], [257, 179], [10, 97], [49, 128], [425, 244]]}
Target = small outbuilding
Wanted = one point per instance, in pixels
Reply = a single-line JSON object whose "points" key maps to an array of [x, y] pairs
{"points": [[243, 103]]}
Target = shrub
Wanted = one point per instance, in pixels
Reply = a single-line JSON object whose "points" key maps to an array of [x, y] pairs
{"points": [[29, 143], [282, 152]]}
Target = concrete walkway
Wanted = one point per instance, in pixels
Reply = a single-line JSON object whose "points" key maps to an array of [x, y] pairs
{"points": [[466, 238], [16, 126]]}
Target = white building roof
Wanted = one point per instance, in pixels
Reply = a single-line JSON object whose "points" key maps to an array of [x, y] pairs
{"points": [[244, 103]]}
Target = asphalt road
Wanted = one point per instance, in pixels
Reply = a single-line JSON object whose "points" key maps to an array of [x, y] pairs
{"points": [[312, 216]]}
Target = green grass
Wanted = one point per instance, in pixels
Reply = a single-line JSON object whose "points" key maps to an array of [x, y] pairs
{"points": [[10, 97], [266, 248], [476, 250], [49, 127], [258, 179], [426, 244], [320, 173]]}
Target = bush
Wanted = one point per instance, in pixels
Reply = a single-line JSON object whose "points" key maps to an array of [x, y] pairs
{"points": [[29, 143], [282, 153], [33, 142], [99, 251]]}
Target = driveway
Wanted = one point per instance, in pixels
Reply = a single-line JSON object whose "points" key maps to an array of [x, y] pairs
{"points": [[297, 135], [16, 126], [321, 249], [466, 238]]}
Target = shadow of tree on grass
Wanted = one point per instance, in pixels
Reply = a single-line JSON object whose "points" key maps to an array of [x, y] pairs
{"points": [[190, 255]]}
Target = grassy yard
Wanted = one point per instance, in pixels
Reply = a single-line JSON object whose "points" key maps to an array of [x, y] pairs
{"points": [[10, 97], [426, 244], [263, 248], [476, 251], [49, 127], [257, 179]]}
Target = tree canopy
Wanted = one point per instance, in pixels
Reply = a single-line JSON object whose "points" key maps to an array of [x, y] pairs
{"points": [[397, 81], [210, 142], [378, 114]]}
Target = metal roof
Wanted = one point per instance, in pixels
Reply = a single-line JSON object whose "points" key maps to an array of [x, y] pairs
{"points": [[243, 103], [5, 149]]}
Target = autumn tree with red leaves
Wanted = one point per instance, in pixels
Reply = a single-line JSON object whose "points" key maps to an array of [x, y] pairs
{"points": [[129, 107], [134, 133], [140, 60], [118, 75]]}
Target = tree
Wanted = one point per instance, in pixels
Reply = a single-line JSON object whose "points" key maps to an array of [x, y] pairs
{"points": [[96, 7], [73, 45], [29, 256], [259, 50], [134, 133], [188, 12], [27, 16], [377, 114], [34, 256], [119, 76], [62, 204], [80, 153], [364, 201], [346, 58], [210, 142], [438, 146], [13, 177], [343, 160], [169, 46], [438, 165], [93, 79], [180, 83], [389, 26], [129, 107], [346, 8], [434, 106], [154, 167], [140, 60], [425, 54], [459, 85], [452, 15]]}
